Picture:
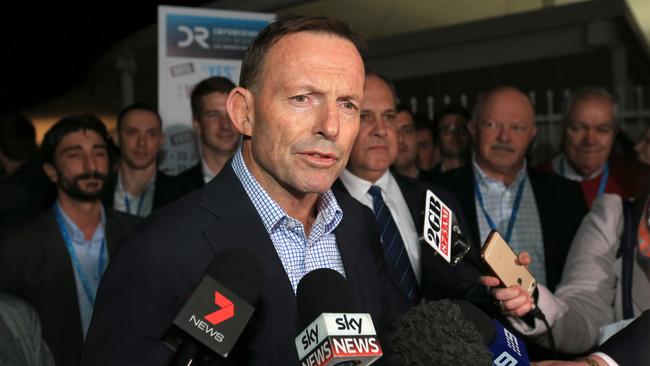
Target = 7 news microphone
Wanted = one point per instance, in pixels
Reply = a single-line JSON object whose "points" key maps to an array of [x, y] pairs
{"points": [[332, 334], [219, 308], [453, 333]]}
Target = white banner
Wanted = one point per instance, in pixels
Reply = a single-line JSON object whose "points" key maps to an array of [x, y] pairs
{"points": [[194, 44]]}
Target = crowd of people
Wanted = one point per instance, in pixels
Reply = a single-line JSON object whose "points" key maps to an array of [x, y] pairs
{"points": [[311, 162]]}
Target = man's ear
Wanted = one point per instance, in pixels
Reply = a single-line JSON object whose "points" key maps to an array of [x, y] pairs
{"points": [[115, 136], [471, 128], [240, 110], [51, 173]]}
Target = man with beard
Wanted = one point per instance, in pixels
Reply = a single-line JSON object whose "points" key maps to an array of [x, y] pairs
{"points": [[55, 261], [138, 187]]}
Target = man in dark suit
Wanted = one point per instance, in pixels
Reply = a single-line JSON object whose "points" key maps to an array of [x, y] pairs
{"points": [[25, 190], [138, 187], [416, 270], [218, 138], [299, 120], [534, 211], [55, 260]]}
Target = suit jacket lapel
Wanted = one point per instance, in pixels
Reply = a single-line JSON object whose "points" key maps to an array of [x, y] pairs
{"points": [[58, 253], [237, 224]]}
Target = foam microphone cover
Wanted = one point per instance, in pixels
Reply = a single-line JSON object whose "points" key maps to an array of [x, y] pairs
{"points": [[240, 271], [437, 333], [322, 291]]}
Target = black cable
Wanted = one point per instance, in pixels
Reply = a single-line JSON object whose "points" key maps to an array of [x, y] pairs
{"points": [[537, 313]]}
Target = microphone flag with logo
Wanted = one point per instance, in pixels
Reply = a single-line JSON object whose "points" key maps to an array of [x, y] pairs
{"points": [[331, 333], [221, 305], [441, 232]]}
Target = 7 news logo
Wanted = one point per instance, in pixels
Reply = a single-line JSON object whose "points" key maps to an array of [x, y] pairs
{"points": [[225, 312]]}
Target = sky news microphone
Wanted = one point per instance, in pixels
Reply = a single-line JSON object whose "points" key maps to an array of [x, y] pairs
{"points": [[332, 334], [219, 308], [441, 232]]}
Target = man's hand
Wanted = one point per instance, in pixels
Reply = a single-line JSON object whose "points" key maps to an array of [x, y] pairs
{"points": [[514, 300]]}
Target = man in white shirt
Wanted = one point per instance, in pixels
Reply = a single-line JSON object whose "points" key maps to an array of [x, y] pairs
{"points": [[138, 187], [368, 178], [218, 139]]}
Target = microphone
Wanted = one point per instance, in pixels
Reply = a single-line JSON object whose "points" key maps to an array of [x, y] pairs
{"points": [[332, 334], [219, 308], [441, 232], [506, 348], [454, 332], [437, 333]]}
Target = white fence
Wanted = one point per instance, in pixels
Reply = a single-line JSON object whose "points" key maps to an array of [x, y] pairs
{"points": [[633, 114]]}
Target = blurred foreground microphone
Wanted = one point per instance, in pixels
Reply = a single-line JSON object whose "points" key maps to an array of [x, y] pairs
{"points": [[332, 334], [453, 333], [441, 232], [219, 308], [436, 333]]}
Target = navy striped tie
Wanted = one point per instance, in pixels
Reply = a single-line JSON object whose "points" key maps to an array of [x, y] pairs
{"points": [[393, 245]]}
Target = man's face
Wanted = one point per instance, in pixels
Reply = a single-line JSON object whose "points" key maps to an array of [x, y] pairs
{"points": [[80, 165], [503, 132], [589, 134], [407, 153], [304, 116], [426, 150], [140, 138], [214, 127], [453, 137], [375, 148]]}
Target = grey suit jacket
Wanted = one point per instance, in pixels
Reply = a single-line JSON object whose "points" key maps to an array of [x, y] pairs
{"points": [[20, 332], [589, 295]]}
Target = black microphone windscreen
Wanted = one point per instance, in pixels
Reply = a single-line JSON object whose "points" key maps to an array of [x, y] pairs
{"points": [[481, 321], [322, 291], [436, 333], [240, 271]]}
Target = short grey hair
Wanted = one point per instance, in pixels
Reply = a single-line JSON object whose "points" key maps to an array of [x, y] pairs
{"points": [[584, 94]]}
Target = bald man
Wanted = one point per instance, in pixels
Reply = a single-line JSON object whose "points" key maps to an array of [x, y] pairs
{"points": [[533, 211]]}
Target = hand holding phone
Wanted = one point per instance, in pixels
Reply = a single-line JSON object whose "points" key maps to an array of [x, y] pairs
{"points": [[502, 261]]}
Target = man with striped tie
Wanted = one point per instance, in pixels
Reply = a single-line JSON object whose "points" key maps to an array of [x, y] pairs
{"points": [[397, 202]]}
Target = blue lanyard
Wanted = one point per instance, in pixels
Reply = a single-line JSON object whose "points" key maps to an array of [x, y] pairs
{"points": [[603, 179], [128, 204], [513, 214], [88, 290]]}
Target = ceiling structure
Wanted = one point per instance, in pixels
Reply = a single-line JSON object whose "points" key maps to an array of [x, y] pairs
{"points": [[50, 49]]}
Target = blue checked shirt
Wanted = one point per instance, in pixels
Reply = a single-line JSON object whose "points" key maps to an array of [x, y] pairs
{"points": [[527, 231], [299, 253]]}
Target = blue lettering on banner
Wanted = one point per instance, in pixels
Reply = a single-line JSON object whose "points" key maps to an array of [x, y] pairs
{"points": [[227, 71]]}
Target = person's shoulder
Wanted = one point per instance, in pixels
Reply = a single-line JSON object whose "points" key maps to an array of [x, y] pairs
{"points": [[14, 307], [190, 172], [27, 229]]}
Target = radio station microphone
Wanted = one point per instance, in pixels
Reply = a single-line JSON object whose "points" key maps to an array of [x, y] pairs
{"points": [[441, 232], [219, 308], [332, 333]]}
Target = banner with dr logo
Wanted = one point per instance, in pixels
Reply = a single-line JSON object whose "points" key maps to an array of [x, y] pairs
{"points": [[194, 44]]}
